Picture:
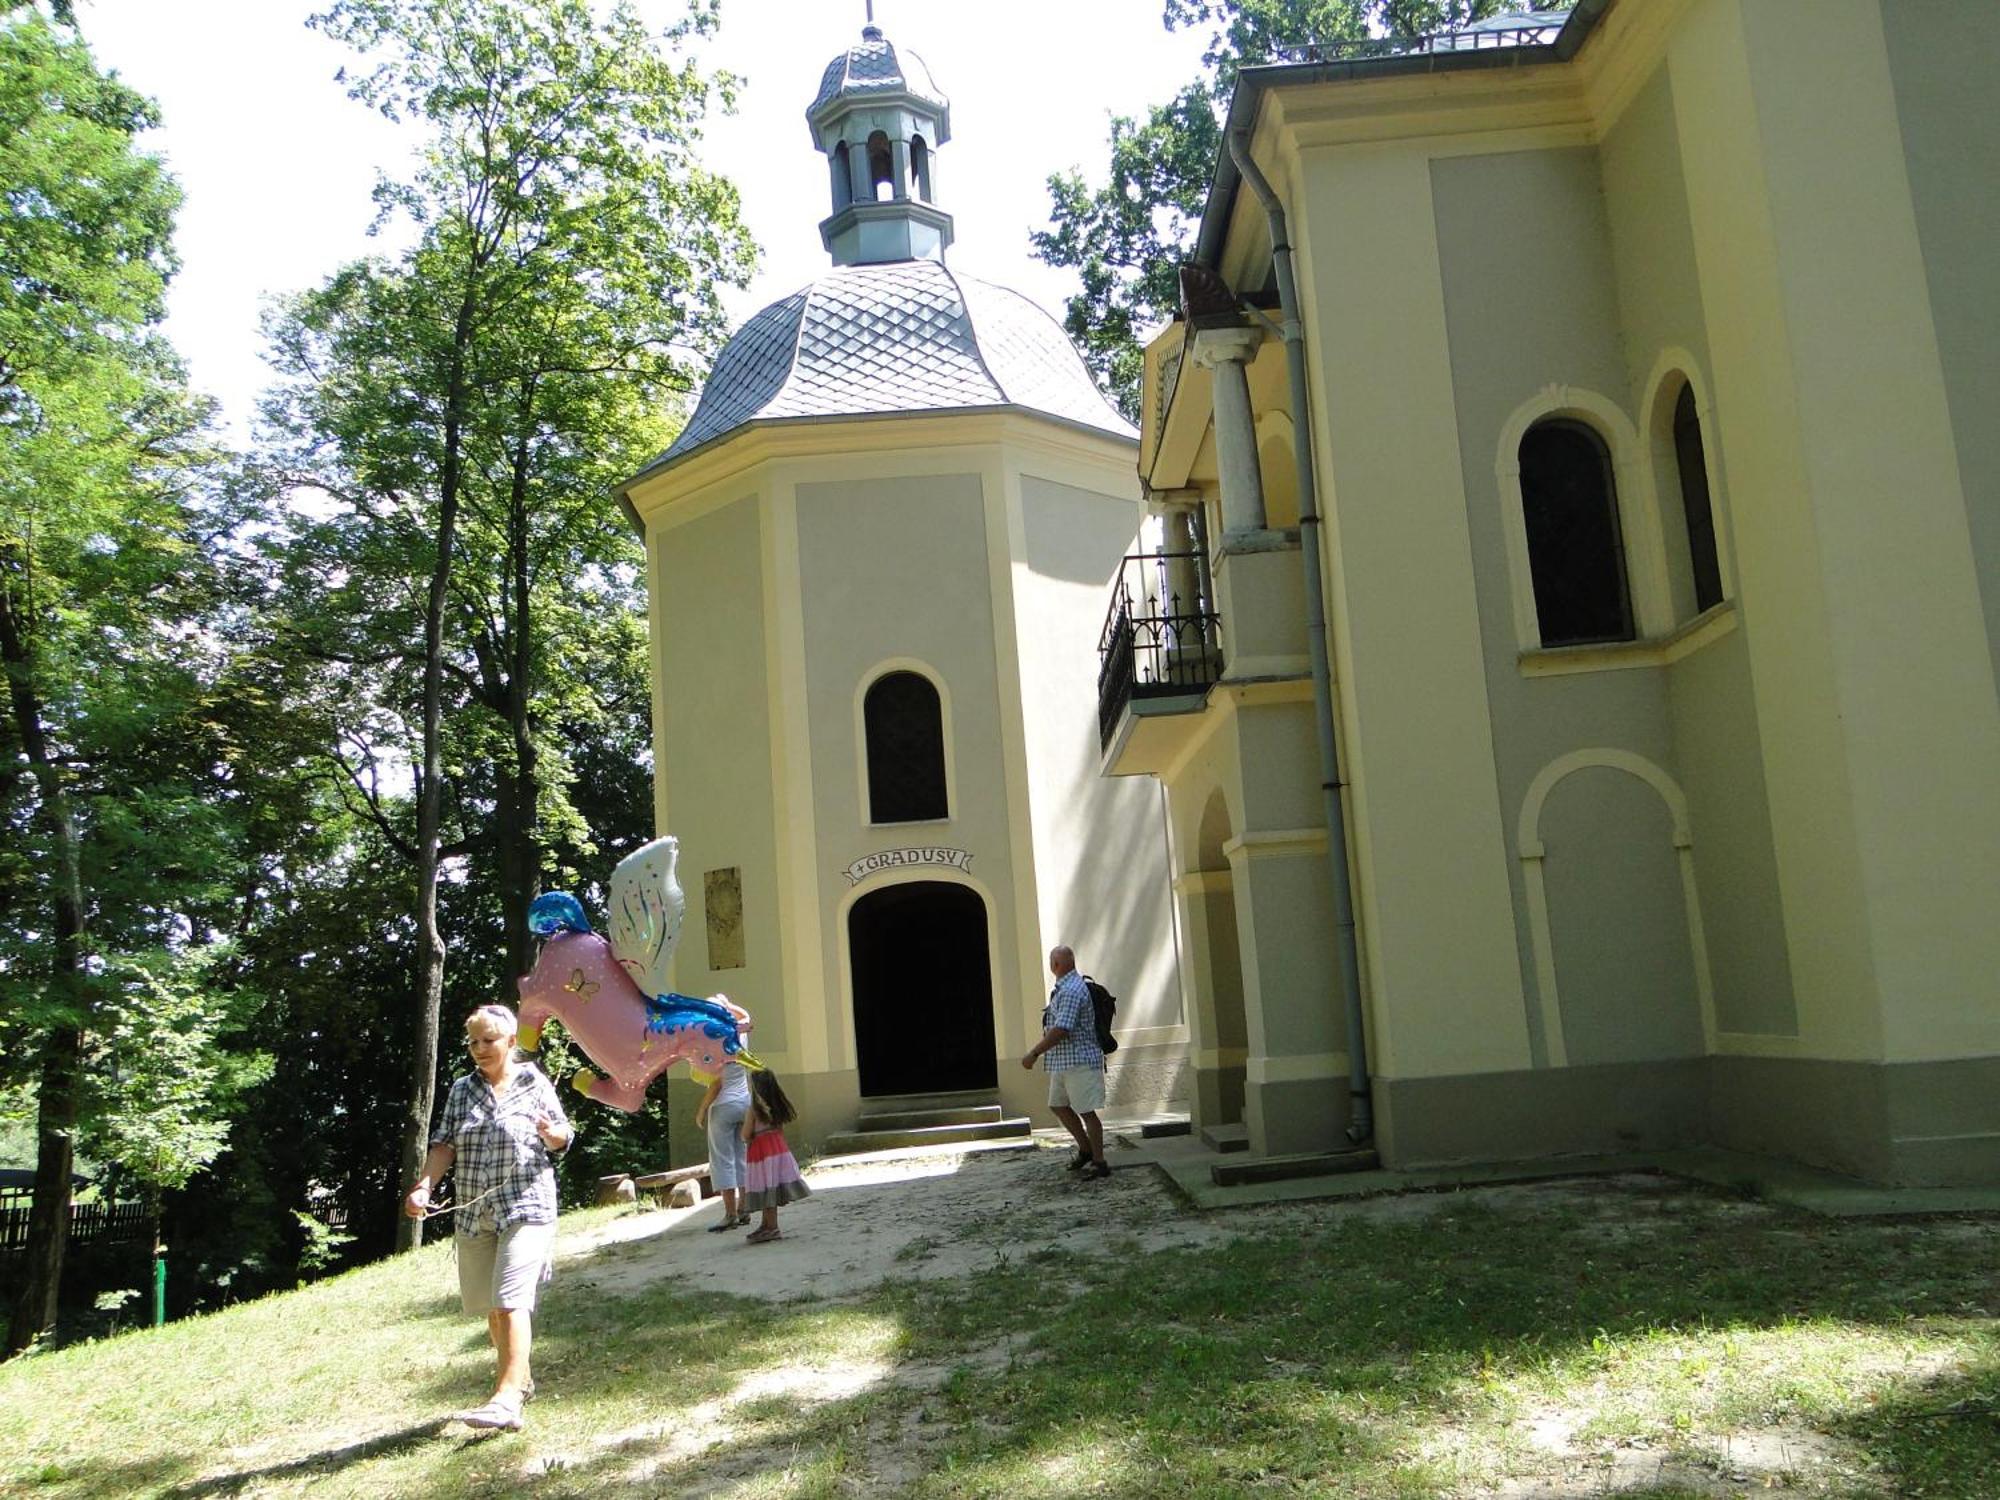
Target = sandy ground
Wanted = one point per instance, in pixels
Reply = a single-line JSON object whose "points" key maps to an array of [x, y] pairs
{"points": [[931, 1214]]}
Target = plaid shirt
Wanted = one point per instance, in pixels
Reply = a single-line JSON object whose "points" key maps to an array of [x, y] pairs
{"points": [[1069, 1007], [499, 1153]]}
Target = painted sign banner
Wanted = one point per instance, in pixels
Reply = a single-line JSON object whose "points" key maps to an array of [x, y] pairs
{"points": [[890, 859]]}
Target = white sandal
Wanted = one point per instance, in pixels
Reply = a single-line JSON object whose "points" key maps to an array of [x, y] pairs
{"points": [[500, 1415]]}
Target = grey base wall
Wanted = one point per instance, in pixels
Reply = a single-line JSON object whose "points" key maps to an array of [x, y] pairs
{"points": [[1931, 1124], [1217, 1095], [1907, 1124], [1541, 1112]]}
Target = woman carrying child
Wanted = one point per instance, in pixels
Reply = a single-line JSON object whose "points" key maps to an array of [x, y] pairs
{"points": [[771, 1177]]}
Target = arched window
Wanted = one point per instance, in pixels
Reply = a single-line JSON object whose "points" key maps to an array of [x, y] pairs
{"points": [[1576, 553], [904, 723], [881, 167], [920, 168], [1692, 461]]}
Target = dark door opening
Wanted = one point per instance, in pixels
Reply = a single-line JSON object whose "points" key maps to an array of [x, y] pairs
{"points": [[923, 990]]}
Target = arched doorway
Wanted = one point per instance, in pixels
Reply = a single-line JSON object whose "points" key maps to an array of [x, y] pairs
{"points": [[923, 990]]}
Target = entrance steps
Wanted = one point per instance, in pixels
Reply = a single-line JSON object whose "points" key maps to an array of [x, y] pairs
{"points": [[930, 1120]]}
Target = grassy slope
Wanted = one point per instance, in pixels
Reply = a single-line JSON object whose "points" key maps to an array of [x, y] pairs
{"points": [[1346, 1357]]}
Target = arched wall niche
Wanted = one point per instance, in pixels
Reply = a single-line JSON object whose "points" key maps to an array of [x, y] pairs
{"points": [[1614, 933]]}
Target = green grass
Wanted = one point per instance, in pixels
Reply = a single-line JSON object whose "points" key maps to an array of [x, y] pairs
{"points": [[1329, 1353]]}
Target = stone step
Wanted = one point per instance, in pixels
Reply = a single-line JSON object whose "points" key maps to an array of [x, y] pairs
{"points": [[1226, 1137], [918, 1119], [1284, 1168], [1154, 1130], [888, 1104], [847, 1142]]}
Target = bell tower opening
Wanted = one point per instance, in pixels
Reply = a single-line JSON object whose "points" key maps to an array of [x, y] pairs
{"points": [[880, 119]]}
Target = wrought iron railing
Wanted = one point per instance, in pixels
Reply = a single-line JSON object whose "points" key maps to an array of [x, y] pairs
{"points": [[1528, 31], [1161, 637]]}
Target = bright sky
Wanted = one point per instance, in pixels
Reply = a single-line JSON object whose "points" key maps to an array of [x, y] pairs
{"points": [[277, 162]]}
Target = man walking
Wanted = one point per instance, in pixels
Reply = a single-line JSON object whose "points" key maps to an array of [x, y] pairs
{"points": [[1075, 1065]]}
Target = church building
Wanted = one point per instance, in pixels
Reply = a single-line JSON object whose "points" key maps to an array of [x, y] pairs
{"points": [[1578, 698], [878, 556]]}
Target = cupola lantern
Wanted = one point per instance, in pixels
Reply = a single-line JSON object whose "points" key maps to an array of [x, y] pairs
{"points": [[879, 118]]}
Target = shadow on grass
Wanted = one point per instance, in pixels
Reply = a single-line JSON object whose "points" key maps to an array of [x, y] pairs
{"points": [[1354, 1357], [314, 1465], [1347, 1353]]}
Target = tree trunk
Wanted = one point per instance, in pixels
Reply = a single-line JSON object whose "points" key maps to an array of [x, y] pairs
{"points": [[430, 786], [520, 855], [59, 1100]]}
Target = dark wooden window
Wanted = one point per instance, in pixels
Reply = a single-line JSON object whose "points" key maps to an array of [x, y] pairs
{"points": [[905, 728], [1576, 553], [1692, 461]]}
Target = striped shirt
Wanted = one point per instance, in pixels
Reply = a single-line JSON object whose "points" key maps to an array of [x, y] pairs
{"points": [[1069, 1007], [502, 1170]]}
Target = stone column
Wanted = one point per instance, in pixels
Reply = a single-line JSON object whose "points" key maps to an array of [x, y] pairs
{"points": [[857, 172], [843, 185], [899, 157], [1224, 352]]}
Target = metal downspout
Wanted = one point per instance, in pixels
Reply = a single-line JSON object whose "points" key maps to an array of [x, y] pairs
{"points": [[1361, 1110]]}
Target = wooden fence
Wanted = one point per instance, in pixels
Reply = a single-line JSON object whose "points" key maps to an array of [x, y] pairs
{"points": [[111, 1223]]}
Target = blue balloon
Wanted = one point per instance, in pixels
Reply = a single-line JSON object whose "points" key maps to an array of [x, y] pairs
{"points": [[556, 911]]}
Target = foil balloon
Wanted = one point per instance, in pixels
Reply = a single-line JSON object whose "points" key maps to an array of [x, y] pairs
{"points": [[611, 997]]}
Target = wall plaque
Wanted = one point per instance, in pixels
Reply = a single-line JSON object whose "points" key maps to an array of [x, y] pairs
{"points": [[722, 898], [892, 859]]}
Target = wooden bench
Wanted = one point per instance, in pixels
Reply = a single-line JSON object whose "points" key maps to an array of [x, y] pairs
{"points": [[659, 1183]]}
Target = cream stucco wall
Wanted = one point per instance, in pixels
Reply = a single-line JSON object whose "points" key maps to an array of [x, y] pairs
{"points": [[788, 574], [1941, 66], [1854, 546], [1101, 872], [1416, 728]]}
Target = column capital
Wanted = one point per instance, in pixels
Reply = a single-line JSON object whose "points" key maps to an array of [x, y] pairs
{"points": [[1237, 345]]}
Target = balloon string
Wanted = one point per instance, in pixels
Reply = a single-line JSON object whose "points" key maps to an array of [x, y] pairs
{"points": [[439, 1213]]}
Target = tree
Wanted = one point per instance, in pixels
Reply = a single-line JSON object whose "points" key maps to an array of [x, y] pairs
{"points": [[88, 404], [467, 394], [1128, 238]]}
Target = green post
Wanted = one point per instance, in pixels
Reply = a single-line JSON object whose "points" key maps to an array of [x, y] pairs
{"points": [[159, 1285]]}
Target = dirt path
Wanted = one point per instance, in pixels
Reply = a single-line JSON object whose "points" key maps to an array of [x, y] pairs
{"points": [[930, 1215]]}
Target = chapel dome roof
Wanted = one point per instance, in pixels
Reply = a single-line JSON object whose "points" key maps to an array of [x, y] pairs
{"points": [[900, 336], [871, 69]]}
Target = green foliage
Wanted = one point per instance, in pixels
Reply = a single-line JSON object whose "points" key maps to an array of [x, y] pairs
{"points": [[450, 609], [117, 784], [323, 1244], [164, 1086], [1127, 238], [87, 220]]}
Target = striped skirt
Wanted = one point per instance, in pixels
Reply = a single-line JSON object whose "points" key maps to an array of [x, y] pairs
{"points": [[773, 1177]]}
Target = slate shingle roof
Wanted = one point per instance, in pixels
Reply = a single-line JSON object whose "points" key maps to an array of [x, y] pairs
{"points": [[871, 66], [905, 336]]}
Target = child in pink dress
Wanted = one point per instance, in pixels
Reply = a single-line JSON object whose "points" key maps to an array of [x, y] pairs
{"points": [[773, 1177]]}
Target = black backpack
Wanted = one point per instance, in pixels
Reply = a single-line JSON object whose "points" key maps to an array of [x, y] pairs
{"points": [[1105, 1006]]}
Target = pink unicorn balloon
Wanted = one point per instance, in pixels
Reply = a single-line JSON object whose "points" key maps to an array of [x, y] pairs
{"points": [[595, 988]]}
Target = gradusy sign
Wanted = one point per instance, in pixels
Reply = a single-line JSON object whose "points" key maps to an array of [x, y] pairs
{"points": [[891, 859]]}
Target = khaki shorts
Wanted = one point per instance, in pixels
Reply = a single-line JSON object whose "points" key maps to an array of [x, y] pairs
{"points": [[505, 1270], [1080, 1089]]}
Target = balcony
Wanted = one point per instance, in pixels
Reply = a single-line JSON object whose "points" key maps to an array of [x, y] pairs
{"points": [[1158, 655]]}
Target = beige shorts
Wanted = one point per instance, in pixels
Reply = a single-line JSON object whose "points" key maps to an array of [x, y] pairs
{"points": [[1080, 1089], [505, 1270]]}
